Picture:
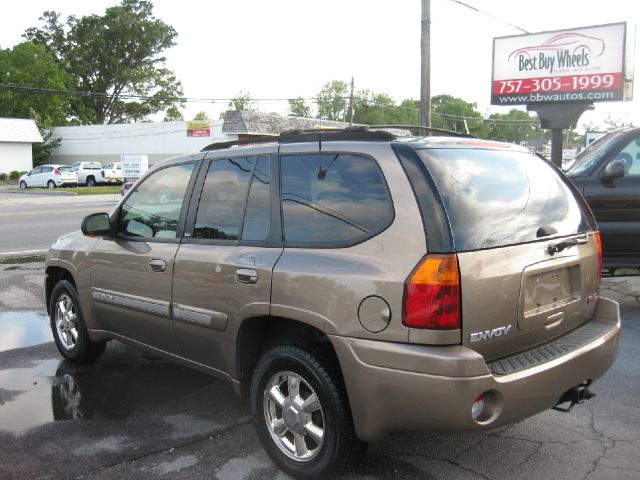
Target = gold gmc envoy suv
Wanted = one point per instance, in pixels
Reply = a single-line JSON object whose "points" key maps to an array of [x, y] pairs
{"points": [[351, 283]]}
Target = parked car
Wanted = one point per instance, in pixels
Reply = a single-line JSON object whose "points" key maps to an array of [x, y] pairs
{"points": [[111, 173], [351, 284], [607, 173], [50, 176], [89, 173]]}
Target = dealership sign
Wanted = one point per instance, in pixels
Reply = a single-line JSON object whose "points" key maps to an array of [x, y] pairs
{"points": [[578, 65], [199, 128]]}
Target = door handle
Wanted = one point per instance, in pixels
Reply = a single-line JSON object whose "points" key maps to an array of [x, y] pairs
{"points": [[157, 265], [246, 275]]}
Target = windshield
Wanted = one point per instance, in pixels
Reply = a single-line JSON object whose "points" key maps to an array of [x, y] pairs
{"points": [[591, 155], [497, 198]]}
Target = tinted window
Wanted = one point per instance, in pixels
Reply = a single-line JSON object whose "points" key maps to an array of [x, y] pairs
{"points": [[257, 218], [333, 198], [92, 166], [630, 155], [65, 169], [496, 198], [153, 208], [223, 199], [36, 171], [47, 169]]}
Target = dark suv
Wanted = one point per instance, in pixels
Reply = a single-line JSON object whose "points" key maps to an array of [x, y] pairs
{"points": [[351, 283], [608, 175]]}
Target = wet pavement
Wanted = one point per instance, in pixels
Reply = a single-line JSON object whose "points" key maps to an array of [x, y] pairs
{"points": [[133, 415]]}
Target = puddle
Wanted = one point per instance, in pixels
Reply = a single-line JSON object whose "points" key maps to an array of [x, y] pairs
{"points": [[23, 329], [122, 381]]}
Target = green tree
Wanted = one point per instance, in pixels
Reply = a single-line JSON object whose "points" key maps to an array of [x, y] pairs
{"points": [[173, 114], [32, 66], [452, 113], [201, 116], [515, 126], [299, 108], [332, 101], [242, 102], [380, 109], [117, 57], [41, 152]]}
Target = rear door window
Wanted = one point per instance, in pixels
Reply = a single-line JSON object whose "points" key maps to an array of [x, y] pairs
{"points": [[333, 199], [496, 198], [223, 199]]}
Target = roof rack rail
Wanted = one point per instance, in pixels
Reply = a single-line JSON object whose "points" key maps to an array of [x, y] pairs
{"points": [[353, 133], [240, 142], [441, 131]]}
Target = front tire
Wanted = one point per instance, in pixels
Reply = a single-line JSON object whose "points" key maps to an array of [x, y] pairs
{"points": [[23, 184], [302, 414], [68, 328]]}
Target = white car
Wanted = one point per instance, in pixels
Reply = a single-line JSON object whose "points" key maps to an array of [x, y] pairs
{"points": [[112, 173], [89, 173], [50, 176]]}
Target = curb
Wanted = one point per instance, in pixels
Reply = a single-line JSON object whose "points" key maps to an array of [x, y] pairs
{"points": [[38, 192]]}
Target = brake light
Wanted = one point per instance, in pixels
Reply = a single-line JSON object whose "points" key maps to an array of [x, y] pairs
{"points": [[599, 245], [432, 294], [56, 172]]}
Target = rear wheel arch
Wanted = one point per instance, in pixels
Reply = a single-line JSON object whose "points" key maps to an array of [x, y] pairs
{"points": [[257, 335]]}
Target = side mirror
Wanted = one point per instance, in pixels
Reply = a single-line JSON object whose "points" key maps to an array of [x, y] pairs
{"points": [[614, 169], [96, 225]]}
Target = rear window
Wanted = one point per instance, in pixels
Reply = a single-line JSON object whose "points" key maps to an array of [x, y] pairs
{"points": [[498, 198], [92, 166], [65, 169]]}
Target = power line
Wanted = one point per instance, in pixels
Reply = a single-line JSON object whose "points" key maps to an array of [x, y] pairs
{"points": [[489, 15]]}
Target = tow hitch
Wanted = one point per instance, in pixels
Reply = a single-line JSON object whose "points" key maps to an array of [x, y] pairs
{"points": [[575, 396]]}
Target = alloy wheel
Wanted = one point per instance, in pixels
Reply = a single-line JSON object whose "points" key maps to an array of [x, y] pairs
{"points": [[294, 416]]}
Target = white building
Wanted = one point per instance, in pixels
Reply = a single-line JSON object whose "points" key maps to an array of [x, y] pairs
{"points": [[105, 143], [16, 137]]}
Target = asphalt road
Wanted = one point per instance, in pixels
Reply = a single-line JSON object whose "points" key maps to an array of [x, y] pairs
{"points": [[136, 416], [31, 222]]}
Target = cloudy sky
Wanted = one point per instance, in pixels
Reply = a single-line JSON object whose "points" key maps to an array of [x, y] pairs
{"points": [[284, 48]]}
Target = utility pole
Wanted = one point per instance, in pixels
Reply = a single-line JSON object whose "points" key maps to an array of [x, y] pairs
{"points": [[351, 104], [425, 64]]}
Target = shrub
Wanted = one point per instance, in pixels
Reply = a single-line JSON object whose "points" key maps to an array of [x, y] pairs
{"points": [[3, 177], [14, 175]]}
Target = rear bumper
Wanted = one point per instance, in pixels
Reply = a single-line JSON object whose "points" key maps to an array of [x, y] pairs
{"points": [[399, 387]]}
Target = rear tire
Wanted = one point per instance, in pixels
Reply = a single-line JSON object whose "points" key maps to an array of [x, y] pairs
{"points": [[68, 328], [301, 413], [51, 185], [91, 182]]}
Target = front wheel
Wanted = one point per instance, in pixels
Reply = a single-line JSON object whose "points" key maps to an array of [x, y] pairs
{"points": [[23, 184], [67, 325], [302, 414]]}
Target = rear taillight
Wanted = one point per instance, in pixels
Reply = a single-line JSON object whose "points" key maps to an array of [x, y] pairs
{"points": [[599, 244], [432, 294], [56, 172]]}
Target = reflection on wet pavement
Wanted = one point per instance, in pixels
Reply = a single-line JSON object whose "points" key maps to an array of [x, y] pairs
{"points": [[23, 329], [120, 383]]}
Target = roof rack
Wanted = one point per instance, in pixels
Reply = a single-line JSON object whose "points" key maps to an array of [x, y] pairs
{"points": [[440, 131], [353, 133]]}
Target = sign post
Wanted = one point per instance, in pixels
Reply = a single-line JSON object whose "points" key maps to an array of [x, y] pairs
{"points": [[560, 74]]}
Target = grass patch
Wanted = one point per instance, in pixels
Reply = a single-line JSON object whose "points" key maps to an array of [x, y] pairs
{"points": [[97, 190], [20, 260]]}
